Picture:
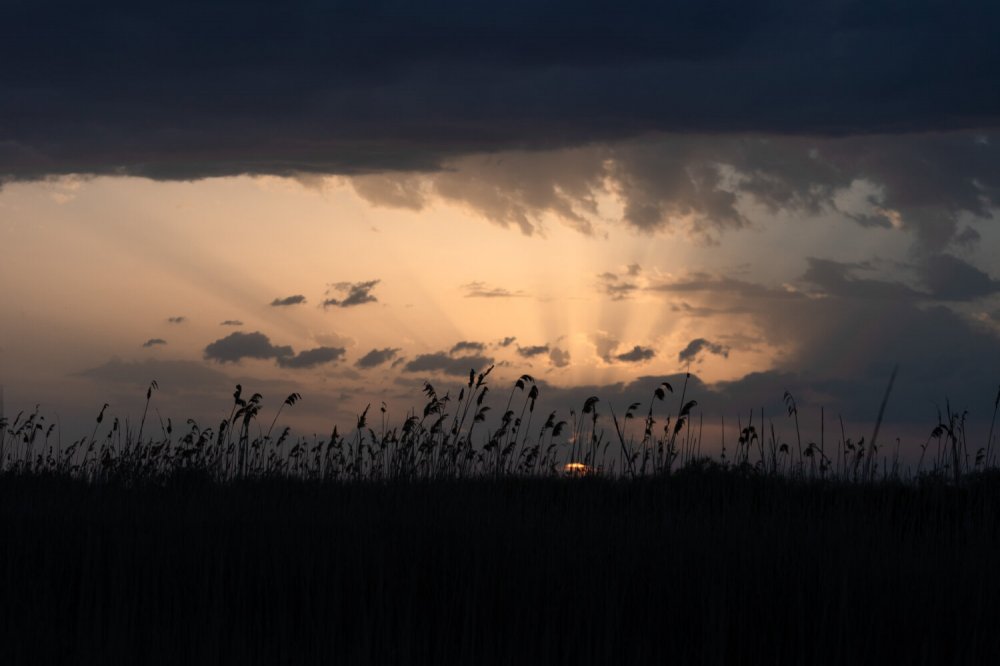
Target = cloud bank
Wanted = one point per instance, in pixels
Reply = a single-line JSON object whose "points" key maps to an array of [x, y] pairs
{"points": [[189, 90]]}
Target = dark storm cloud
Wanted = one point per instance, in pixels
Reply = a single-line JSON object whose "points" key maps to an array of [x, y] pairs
{"points": [[838, 279], [840, 339], [288, 300], [701, 185], [152, 342], [636, 355], [311, 357], [357, 293], [231, 322], [950, 278], [188, 90], [697, 346], [237, 346], [945, 277], [534, 350], [377, 357], [466, 346], [442, 362], [176, 320]]}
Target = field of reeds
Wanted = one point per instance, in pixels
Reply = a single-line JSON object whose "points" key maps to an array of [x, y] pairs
{"points": [[603, 537]]}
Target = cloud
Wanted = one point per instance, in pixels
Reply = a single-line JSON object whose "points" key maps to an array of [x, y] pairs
{"points": [[614, 287], [153, 342], [334, 339], [288, 300], [605, 345], [377, 357], [237, 346], [835, 278], [836, 339], [636, 355], [231, 322], [358, 293], [535, 350], [467, 346], [170, 375], [302, 90], [930, 185], [950, 278], [442, 362], [690, 353], [559, 357], [176, 320], [482, 290], [311, 357], [396, 191], [507, 341]]}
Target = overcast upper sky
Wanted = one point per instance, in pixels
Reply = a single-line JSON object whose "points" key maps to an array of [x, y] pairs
{"points": [[348, 199]]}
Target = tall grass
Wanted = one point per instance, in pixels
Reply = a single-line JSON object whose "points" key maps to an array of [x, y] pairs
{"points": [[452, 438], [606, 537]]}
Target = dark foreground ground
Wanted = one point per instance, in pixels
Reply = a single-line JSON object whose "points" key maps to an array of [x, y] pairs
{"points": [[701, 568]]}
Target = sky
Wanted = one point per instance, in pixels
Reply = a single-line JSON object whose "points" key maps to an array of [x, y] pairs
{"points": [[346, 200]]}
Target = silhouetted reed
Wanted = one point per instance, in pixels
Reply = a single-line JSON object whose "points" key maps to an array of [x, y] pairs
{"points": [[451, 438], [448, 539]]}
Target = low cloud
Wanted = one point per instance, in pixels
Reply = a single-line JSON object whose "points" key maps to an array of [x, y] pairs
{"points": [[636, 355], [483, 290], [559, 357], [176, 320], [357, 293], [377, 357], [690, 353], [171, 376], [467, 346], [152, 342], [288, 300], [237, 346], [950, 278], [442, 362], [605, 345], [623, 286], [311, 357], [703, 185], [535, 350]]}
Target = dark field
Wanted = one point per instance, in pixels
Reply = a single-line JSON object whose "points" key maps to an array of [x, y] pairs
{"points": [[703, 567]]}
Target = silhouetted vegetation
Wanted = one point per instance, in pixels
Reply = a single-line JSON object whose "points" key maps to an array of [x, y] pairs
{"points": [[597, 539]]}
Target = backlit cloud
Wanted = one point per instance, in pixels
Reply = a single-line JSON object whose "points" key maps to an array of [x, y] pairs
{"points": [[697, 346], [356, 293], [636, 355], [482, 290], [288, 300], [377, 357], [311, 357], [449, 365], [534, 350], [237, 346], [466, 346]]}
